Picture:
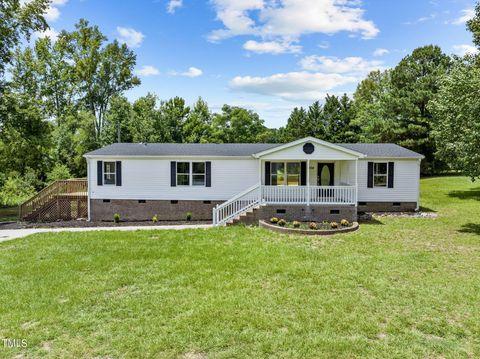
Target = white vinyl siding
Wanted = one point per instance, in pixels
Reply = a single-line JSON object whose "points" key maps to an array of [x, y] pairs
{"points": [[405, 182], [320, 153], [149, 179]]}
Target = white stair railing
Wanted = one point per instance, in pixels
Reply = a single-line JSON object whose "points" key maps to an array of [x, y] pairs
{"points": [[237, 205]]}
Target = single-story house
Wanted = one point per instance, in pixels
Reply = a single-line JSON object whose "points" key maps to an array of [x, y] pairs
{"points": [[308, 179]]}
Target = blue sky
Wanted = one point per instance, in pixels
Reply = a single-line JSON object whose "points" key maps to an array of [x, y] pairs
{"points": [[266, 55]]}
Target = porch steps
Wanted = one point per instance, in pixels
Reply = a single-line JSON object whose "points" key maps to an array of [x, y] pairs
{"points": [[248, 217]]}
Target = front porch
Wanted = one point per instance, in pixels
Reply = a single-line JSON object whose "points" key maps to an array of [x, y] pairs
{"points": [[309, 195]]}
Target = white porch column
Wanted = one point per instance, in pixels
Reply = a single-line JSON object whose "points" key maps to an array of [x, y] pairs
{"points": [[260, 197], [308, 182], [356, 182]]}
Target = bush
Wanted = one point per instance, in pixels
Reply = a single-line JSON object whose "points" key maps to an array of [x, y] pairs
{"points": [[116, 218], [58, 172], [282, 223], [313, 226], [274, 220], [296, 224], [334, 225], [188, 216], [155, 218], [345, 223], [15, 191]]}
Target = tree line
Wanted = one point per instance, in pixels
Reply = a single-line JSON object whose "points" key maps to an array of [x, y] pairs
{"points": [[62, 99]]}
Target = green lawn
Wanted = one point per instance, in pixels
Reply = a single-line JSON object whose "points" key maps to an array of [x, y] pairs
{"points": [[398, 288]]}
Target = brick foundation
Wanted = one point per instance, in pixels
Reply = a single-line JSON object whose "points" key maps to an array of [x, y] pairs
{"points": [[387, 206], [132, 210]]}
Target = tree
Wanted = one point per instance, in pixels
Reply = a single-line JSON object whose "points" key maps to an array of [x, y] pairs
{"points": [[197, 126], [474, 26], [237, 125], [457, 109], [117, 121], [102, 72], [18, 19], [146, 124], [295, 128], [173, 115]]}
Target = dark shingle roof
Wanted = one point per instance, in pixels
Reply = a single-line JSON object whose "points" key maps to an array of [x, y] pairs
{"points": [[381, 150], [235, 149]]}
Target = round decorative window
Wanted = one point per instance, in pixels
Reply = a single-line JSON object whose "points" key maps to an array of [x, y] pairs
{"points": [[308, 148]]}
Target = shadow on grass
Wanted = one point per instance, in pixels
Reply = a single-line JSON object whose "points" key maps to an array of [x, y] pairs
{"points": [[473, 193], [473, 228], [427, 210], [370, 220]]}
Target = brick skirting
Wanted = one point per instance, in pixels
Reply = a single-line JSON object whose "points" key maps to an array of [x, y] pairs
{"points": [[387, 206], [133, 210]]}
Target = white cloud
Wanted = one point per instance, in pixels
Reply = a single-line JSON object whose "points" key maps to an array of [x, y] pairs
{"points": [[380, 52], [334, 65], [462, 50], [129, 36], [173, 5], [191, 72], [467, 14], [293, 85], [271, 47], [53, 13], [290, 19], [148, 71], [51, 33]]}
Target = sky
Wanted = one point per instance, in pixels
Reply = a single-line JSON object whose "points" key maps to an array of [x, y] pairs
{"points": [[266, 55]]}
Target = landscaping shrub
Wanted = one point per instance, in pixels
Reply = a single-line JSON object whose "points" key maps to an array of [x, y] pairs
{"points": [[188, 216], [282, 223], [296, 224], [58, 172], [313, 226], [274, 220], [155, 218], [345, 223], [116, 218], [334, 225]]}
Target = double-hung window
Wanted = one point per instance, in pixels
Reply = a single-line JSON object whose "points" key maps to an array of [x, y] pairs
{"points": [[380, 174], [109, 173], [191, 173], [285, 174]]}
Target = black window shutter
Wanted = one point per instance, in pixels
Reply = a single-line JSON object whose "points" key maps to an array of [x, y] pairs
{"points": [[267, 174], [118, 169], [173, 174], [391, 174], [100, 173], [303, 174], [370, 175], [208, 174]]}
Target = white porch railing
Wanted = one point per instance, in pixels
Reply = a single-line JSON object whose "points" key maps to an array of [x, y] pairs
{"points": [[236, 205], [307, 195]]}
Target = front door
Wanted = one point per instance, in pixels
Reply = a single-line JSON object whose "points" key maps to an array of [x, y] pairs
{"points": [[326, 174]]}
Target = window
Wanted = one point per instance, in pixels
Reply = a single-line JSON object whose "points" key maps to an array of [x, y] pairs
{"points": [[183, 173], [198, 173], [191, 173], [380, 174], [109, 173], [278, 173], [293, 174], [280, 177]]}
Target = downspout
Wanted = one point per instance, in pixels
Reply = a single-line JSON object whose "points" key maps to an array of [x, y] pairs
{"points": [[418, 189]]}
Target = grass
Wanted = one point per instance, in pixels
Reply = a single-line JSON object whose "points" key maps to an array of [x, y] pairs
{"points": [[398, 288], [8, 214]]}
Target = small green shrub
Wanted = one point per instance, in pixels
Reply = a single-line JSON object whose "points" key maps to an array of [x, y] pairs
{"points": [[296, 224], [282, 223], [116, 218], [334, 225], [345, 223], [274, 220], [313, 226], [155, 218], [188, 216]]}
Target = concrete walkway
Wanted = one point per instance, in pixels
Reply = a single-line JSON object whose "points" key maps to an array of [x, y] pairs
{"points": [[9, 234]]}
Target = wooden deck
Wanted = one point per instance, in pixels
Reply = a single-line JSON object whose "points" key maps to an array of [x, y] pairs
{"points": [[62, 200]]}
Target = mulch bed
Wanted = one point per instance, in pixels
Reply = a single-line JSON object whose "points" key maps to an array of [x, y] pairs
{"points": [[86, 224]]}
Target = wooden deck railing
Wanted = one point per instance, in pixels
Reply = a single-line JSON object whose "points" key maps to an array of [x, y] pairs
{"points": [[73, 190]]}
